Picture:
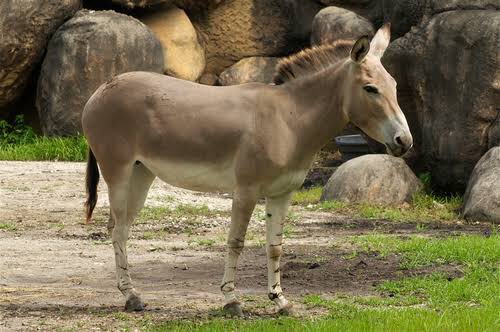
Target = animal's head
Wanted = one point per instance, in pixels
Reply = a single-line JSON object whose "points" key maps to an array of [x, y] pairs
{"points": [[371, 102]]}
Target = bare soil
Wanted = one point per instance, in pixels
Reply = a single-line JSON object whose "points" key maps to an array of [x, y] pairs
{"points": [[57, 273]]}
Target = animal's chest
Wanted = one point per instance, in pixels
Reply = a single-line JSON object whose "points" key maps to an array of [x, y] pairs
{"points": [[285, 182]]}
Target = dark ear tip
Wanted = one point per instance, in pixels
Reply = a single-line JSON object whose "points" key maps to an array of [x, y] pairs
{"points": [[387, 26]]}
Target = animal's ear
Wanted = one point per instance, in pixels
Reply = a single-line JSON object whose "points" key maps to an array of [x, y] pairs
{"points": [[360, 49], [381, 40]]}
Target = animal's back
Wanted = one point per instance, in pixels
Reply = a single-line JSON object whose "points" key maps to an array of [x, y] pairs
{"points": [[186, 133]]}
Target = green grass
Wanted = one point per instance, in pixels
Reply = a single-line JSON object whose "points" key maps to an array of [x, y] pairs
{"points": [[347, 318], [418, 251], [8, 227], [423, 207], [182, 213], [433, 302], [306, 196], [478, 287], [46, 148], [202, 242], [19, 142]]}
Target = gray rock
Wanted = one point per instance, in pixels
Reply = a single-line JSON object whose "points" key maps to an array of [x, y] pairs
{"points": [[370, 9], [25, 29], [255, 69], [208, 79], [303, 13], [405, 14], [408, 13], [482, 197], [448, 73], [88, 50], [439, 6], [402, 14], [372, 178], [334, 23]]}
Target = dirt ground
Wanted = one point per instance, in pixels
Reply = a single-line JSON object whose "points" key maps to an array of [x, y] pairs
{"points": [[57, 273]]}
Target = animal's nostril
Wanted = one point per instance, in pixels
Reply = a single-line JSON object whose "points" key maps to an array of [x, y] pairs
{"points": [[399, 141]]}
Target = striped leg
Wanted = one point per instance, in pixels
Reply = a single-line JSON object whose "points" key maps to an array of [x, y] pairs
{"points": [[243, 204], [276, 210]]}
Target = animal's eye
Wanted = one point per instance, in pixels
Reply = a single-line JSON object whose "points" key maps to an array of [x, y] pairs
{"points": [[370, 89]]}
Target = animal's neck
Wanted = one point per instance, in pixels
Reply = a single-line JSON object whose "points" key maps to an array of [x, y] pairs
{"points": [[318, 113]]}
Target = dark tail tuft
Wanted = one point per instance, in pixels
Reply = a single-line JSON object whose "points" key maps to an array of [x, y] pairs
{"points": [[91, 181]]}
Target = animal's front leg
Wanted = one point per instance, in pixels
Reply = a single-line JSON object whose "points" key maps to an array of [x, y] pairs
{"points": [[276, 210], [243, 204]]}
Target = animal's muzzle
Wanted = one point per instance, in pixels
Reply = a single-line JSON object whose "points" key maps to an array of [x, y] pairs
{"points": [[401, 143]]}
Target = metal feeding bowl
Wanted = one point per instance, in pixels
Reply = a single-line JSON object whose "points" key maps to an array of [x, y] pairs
{"points": [[352, 146]]}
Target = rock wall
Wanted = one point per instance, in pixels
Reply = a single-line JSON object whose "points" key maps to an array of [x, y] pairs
{"points": [[238, 29], [448, 74], [25, 29], [444, 56]]}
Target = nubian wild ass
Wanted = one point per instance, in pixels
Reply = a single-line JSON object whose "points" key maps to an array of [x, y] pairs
{"points": [[253, 140]]}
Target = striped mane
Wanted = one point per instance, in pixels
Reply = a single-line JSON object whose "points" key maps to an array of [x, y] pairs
{"points": [[311, 60]]}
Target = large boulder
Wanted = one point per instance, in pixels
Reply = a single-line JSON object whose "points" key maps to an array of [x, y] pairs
{"points": [[408, 13], [25, 29], [482, 197], [448, 73], [405, 14], [371, 9], [439, 6], [255, 69], [244, 28], [302, 14], [334, 23], [85, 52], [402, 14], [373, 178], [184, 57]]}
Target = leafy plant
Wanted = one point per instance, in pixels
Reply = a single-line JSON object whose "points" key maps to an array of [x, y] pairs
{"points": [[17, 132]]}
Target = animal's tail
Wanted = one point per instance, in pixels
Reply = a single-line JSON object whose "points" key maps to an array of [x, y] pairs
{"points": [[91, 181]]}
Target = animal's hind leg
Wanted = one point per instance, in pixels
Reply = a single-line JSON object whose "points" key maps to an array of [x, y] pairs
{"points": [[126, 196], [140, 183]]}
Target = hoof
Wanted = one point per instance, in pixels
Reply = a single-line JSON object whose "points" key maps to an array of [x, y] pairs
{"points": [[233, 309], [134, 303], [287, 310]]}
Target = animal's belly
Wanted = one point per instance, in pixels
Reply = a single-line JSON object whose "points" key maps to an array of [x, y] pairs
{"points": [[194, 176], [285, 183]]}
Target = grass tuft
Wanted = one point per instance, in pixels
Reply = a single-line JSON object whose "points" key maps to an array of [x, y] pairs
{"points": [[8, 227], [46, 148], [423, 207], [182, 213], [306, 196]]}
